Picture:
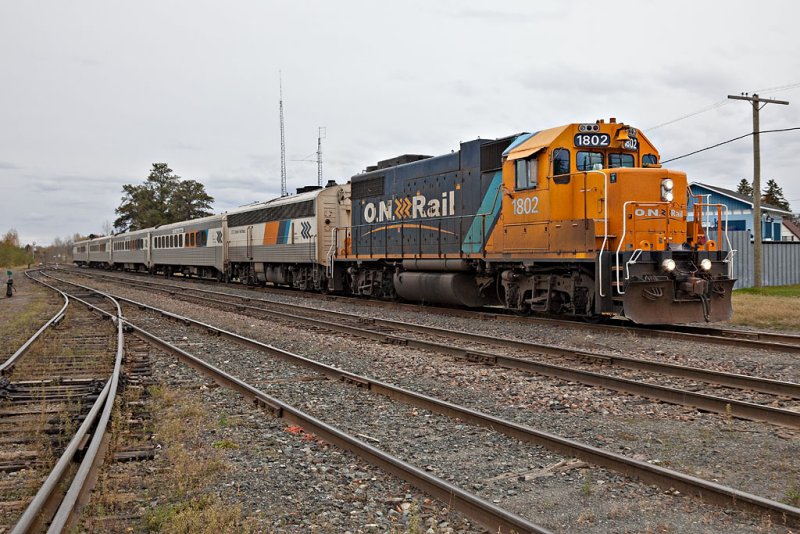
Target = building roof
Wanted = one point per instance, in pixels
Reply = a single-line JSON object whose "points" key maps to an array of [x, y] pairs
{"points": [[792, 226], [744, 198]]}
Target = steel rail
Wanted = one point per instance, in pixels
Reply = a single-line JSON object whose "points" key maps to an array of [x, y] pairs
{"points": [[494, 518], [734, 380], [771, 341], [721, 405], [648, 473], [92, 457], [6, 366], [29, 521], [775, 338]]}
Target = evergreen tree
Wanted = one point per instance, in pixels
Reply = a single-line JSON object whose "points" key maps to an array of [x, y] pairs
{"points": [[773, 195], [745, 188], [162, 199]]}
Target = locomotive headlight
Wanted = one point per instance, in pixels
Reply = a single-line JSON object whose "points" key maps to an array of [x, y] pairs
{"points": [[668, 265], [667, 185], [705, 264]]}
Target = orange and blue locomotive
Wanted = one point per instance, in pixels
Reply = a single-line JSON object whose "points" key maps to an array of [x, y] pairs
{"points": [[577, 220]]}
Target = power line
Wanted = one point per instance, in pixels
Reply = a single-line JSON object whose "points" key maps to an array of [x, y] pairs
{"points": [[729, 141], [723, 103], [779, 88], [698, 112]]}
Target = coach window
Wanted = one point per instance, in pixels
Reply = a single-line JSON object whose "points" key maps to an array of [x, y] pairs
{"points": [[585, 161], [649, 159], [620, 160], [180, 240], [526, 173]]}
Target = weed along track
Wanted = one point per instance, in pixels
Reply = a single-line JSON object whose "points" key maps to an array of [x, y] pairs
{"points": [[469, 451]]}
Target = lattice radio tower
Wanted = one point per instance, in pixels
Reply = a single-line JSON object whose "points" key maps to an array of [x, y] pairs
{"points": [[322, 134], [283, 140]]}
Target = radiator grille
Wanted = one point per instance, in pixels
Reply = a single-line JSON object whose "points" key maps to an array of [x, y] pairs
{"points": [[492, 153], [371, 187]]}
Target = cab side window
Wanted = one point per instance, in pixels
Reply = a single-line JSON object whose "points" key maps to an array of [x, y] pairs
{"points": [[649, 159], [560, 161], [527, 171]]}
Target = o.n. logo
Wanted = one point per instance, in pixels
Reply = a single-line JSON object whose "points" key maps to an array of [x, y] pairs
{"points": [[417, 207], [655, 212]]}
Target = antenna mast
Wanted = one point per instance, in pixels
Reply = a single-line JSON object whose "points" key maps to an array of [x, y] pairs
{"points": [[322, 134], [283, 141]]}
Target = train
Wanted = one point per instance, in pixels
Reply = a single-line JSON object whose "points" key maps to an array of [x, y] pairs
{"points": [[580, 220]]}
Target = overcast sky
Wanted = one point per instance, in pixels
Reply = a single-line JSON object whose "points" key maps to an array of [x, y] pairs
{"points": [[92, 93]]}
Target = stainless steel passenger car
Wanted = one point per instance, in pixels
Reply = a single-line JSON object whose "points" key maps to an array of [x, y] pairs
{"points": [[131, 251], [95, 252], [192, 247]]}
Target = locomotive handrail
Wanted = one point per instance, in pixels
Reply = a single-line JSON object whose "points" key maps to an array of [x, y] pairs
{"points": [[624, 232], [722, 209], [605, 225]]}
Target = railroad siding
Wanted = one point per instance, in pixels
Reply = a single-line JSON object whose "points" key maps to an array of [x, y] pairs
{"points": [[781, 261]]}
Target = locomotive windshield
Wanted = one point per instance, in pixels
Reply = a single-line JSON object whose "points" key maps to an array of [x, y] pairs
{"points": [[585, 161], [620, 160]]}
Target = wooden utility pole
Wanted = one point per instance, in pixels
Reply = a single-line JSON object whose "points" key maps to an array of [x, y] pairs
{"points": [[757, 104]]}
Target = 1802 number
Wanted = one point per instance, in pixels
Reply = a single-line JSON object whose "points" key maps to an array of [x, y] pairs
{"points": [[526, 206], [598, 139]]}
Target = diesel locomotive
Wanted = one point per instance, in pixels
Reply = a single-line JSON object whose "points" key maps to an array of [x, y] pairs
{"points": [[578, 220]]}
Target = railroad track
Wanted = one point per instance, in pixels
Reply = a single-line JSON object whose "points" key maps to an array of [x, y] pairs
{"points": [[709, 492], [696, 387], [55, 389], [762, 340], [491, 516]]}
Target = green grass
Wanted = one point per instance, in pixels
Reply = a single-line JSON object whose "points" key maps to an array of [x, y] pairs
{"points": [[773, 291]]}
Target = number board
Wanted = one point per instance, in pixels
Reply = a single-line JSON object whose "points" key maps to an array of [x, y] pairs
{"points": [[631, 144], [592, 140]]}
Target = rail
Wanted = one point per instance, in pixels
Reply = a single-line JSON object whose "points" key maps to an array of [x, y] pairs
{"points": [[493, 517], [104, 402], [652, 474]]}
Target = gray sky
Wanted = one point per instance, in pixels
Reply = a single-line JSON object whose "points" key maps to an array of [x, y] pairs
{"points": [[93, 93]]}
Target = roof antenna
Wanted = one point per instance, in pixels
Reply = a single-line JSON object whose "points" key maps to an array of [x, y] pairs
{"points": [[283, 141]]}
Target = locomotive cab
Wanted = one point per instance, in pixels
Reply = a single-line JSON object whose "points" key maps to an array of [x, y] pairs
{"points": [[600, 229]]}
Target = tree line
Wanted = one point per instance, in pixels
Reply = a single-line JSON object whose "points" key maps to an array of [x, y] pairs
{"points": [[163, 198], [771, 194]]}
